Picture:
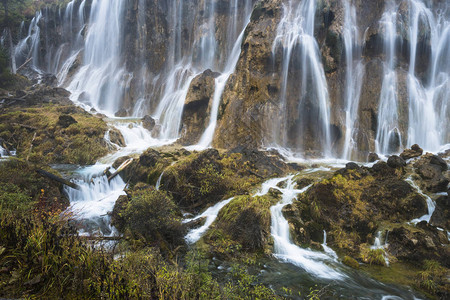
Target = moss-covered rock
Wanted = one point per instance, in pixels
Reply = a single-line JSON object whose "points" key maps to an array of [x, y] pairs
{"points": [[243, 224], [351, 206], [351, 262], [197, 180], [47, 127]]}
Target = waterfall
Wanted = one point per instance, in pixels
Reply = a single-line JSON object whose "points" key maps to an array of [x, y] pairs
{"points": [[388, 136], [220, 83], [102, 80], [95, 199], [27, 48], [295, 37], [158, 182], [183, 69], [327, 249], [353, 79], [429, 101], [91, 59], [141, 29]]}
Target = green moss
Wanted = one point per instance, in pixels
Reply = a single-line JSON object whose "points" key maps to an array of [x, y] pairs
{"points": [[37, 129], [243, 224], [351, 262], [259, 204]]}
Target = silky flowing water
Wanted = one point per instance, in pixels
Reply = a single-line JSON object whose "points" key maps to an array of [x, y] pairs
{"points": [[102, 81]]}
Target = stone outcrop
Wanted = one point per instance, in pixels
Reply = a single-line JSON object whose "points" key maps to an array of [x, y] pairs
{"points": [[431, 169], [415, 151], [250, 97], [352, 205], [197, 107]]}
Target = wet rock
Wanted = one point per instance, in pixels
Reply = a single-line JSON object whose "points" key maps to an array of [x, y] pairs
{"points": [[304, 182], [149, 158], [121, 113], [116, 215], [415, 151], [430, 168], [66, 120], [148, 123], [197, 107], [116, 137], [438, 161], [352, 204], [441, 215], [381, 168], [351, 166], [246, 220], [195, 223], [412, 245], [395, 161], [373, 157], [252, 92], [84, 98], [156, 130]]}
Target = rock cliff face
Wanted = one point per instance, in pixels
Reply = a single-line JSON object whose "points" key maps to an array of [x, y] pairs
{"points": [[251, 92], [329, 77]]}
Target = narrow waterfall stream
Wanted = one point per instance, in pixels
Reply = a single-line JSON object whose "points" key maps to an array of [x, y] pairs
{"points": [[354, 76], [284, 249], [295, 36], [431, 206], [210, 214], [388, 137]]}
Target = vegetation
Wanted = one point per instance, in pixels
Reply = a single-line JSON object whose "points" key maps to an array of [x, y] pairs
{"points": [[39, 136], [152, 217]]}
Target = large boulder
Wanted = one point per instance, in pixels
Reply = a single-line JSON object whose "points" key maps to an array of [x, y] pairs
{"points": [[441, 215], [244, 224], [395, 162], [148, 122]]}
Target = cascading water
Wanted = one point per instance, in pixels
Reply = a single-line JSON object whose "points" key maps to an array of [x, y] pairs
{"points": [[27, 48], [52, 55], [353, 79], [388, 136], [429, 108], [284, 249], [295, 37], [220, 83], [203, 56], [431, 206], [141, 29], [95, 199], [102, 80], [210, 214]]}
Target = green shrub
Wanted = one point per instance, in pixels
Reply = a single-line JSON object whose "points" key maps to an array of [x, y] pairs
{"points": [[153, 216]]}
